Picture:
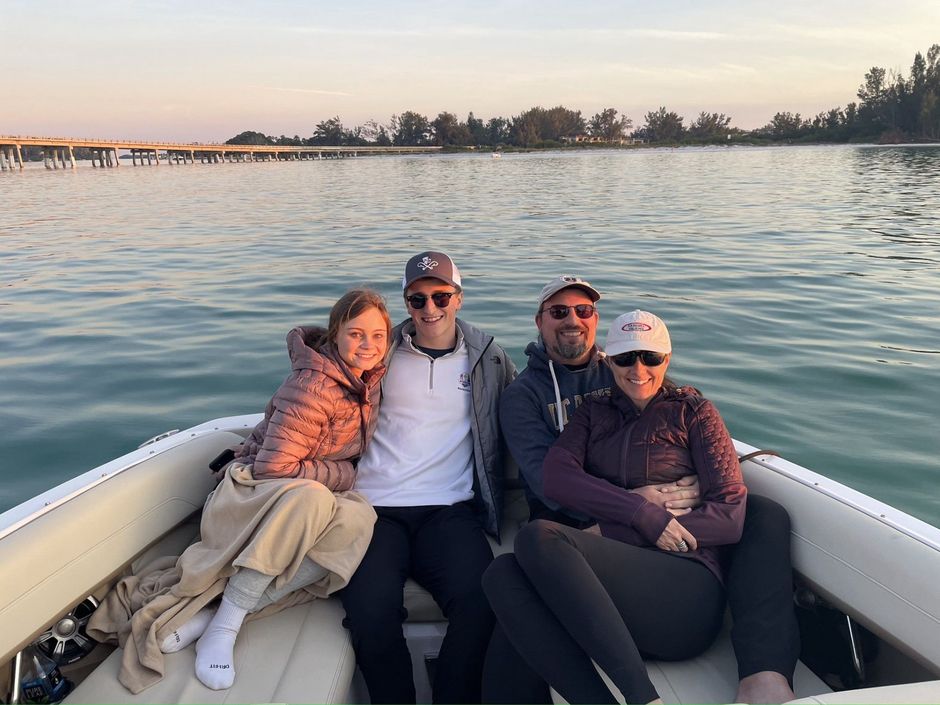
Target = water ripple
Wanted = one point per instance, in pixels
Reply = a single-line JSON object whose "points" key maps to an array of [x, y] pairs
{"points": [[799, 285]]}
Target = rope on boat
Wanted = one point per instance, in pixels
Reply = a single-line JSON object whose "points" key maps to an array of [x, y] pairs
{"points": [[748, 456]]}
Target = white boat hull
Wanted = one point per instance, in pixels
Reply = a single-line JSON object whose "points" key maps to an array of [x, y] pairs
{"points": [[874, 563]]}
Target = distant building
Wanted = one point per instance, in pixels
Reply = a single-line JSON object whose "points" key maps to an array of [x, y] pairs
{"points": [[572, 139], [592, 139]]}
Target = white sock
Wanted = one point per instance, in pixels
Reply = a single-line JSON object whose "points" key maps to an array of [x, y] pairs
{"points": [[215, 650], [188, 632]]}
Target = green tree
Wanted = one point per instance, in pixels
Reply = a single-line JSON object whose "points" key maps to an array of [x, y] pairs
{"points": [[930, 106], [663, 126], [354, 137], [785, 126], [540, 125], [525, 130], [448, 131], [477, 130], [410, 129], [874, 111], [710, 126], [328, 132], [498, 131], [251, 137], [608, 126]]}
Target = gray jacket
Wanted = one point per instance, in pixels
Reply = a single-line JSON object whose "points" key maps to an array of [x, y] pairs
{"points": [[491, 370]]}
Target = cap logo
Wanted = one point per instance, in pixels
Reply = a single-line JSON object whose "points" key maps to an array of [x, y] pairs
{"points": [[635, 326], [427, 264]]}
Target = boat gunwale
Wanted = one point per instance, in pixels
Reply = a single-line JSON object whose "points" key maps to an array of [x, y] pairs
{"points": [[891, 516], [32, 509], [23, 514]]}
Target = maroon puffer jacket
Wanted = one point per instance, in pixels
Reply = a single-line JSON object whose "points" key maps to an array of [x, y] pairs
{"points": [[320, 418], [609, 447]]}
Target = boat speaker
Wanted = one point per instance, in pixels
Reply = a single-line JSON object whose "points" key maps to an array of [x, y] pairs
{"points": [[66, 641]]}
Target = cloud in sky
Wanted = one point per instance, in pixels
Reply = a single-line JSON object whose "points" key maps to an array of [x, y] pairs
{"points": [[283, 66], [312, 91]]}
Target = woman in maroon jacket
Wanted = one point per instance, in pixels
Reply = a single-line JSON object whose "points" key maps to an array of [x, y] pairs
{"points": [[651, 584]]}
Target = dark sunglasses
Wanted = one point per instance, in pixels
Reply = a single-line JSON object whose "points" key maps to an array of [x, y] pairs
{"points": [[441, 299], [560, 312], [649, 358]]}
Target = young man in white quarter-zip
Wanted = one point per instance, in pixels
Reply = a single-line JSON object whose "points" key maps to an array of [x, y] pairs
{"points": [[433, 473]]}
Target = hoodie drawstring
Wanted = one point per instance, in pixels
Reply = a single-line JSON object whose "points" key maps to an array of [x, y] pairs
{"points": [[558, 407]]}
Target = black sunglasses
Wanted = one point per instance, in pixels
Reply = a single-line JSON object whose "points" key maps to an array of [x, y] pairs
{"points": [[649, 358], [560, 312], [441, 299]]}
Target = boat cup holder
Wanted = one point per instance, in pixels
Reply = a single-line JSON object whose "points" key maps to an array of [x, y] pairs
{"points": [[66, 641]]}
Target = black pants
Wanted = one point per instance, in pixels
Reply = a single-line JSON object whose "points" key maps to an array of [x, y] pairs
{"points": [[567, 597], [765, 635], [445, 550]]}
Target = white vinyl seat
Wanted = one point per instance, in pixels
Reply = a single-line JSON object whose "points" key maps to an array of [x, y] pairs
{"points": [[300, 655], [711, 677], [925, 692]]}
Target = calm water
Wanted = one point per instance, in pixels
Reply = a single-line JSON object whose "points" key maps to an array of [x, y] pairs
{"points": [[800, 286]]}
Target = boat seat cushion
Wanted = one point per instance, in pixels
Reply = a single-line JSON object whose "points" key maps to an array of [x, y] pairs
{"points": [[926, 692], [709, 678], [300, 655]]}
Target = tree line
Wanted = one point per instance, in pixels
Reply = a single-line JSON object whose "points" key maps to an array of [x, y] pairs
{"points": [[890, 108]]}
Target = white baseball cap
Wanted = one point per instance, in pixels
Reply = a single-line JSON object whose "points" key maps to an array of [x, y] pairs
{"points": [[566, 281], [637, 330]]}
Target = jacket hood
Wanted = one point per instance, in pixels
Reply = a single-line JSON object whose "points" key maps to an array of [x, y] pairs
{"points": [[309, 350], [557, 386]]}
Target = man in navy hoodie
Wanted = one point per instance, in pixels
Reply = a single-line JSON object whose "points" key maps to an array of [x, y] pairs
{"points": [[564, 367]]}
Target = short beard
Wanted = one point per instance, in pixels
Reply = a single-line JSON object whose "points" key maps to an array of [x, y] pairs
{"points": [[570, 351]]}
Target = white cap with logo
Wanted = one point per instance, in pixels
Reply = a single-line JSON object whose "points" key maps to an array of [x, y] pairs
{"points": [[637, 330], [566, 281]]}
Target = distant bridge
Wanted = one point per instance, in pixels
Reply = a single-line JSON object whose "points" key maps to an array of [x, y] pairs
{"points": [[60, 151]]}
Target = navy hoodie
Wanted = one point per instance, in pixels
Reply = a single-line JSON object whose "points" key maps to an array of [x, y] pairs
{"points": [[528, 412]]}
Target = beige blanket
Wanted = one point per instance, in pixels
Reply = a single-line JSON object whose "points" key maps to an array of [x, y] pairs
{"points": [[267, 525]]}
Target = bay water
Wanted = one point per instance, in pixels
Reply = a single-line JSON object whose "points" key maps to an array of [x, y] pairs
{"points": [[800, 285]]}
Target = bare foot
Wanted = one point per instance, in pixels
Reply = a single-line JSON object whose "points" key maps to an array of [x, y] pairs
{"points": [[764, 687]]}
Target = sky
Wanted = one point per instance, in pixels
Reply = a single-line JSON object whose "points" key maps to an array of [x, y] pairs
{"points": [[205, 71]]}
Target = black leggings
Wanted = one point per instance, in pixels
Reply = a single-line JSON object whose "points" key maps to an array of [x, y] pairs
{"points": [[567, 597]]}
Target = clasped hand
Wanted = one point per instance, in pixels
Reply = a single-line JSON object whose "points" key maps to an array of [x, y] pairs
{"points": [[676, 537], [677, 498]]}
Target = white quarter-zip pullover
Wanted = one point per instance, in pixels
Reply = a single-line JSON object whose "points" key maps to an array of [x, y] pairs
{"points": [[422, 450]]}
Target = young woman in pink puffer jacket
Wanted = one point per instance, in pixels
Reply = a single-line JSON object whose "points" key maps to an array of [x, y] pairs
{"points": [[315, 428]]}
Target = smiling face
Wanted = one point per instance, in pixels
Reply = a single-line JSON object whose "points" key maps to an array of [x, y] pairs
{"points": [[435, 327], [639, 382], [568, 341], [363, 341]]}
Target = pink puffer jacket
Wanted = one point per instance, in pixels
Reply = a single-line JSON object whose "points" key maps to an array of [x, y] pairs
{"points": [[319, 420]]}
